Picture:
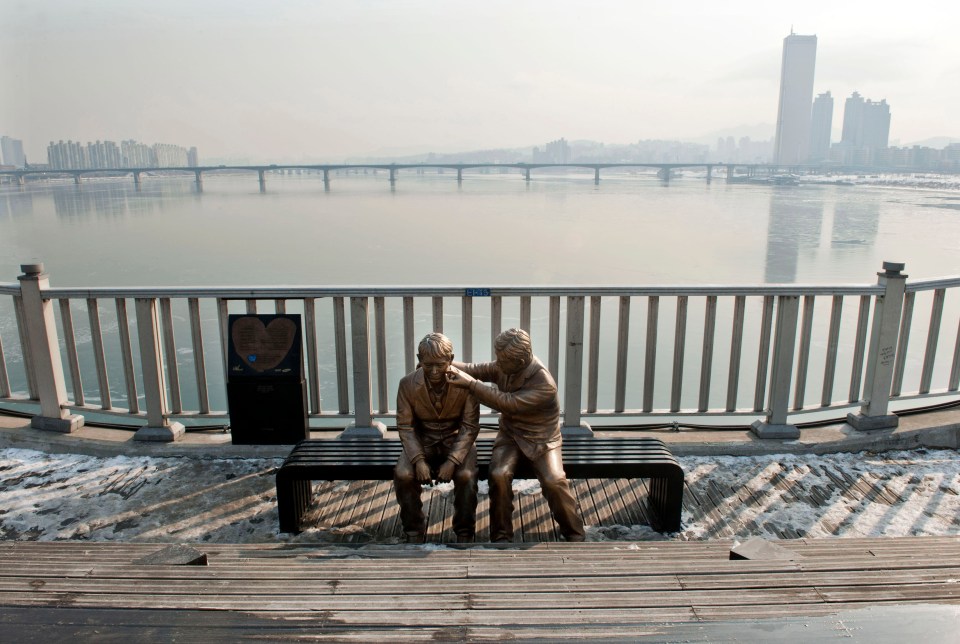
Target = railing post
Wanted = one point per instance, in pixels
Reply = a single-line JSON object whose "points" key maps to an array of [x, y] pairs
{"points": [[41, 334], [775, 425], [882, 352], [573, 373], [158, 427], [363, 426]]}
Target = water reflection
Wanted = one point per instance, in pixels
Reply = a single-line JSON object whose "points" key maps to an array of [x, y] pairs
{"points": [[794, 224], [115, 200], [16, 204], [855, 223]]}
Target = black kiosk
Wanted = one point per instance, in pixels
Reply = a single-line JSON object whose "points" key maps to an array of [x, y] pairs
{"points": [[266, 390]]}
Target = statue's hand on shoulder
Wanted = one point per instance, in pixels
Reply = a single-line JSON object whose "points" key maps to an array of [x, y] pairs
{"points": [[458, 378]]}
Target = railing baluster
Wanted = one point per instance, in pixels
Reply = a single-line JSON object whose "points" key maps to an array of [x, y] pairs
{"points": [[933, 336], [623, 344], [679, 346], [763, 355], [496, 319], [903, 342], [955, 368], [573, 367], [4, 377], [736, 351], [833, 345], [199, 361], [409, 342], [650, 359], [126, 352], [170, 353], [70, 341], [380, 321], [25, 350], [859, 349], [466, 320], [223, 313], [151, 365], [313, 361], [438, 315], [593, 358], [553, 353], [706, 360], [784, 344], [340, 349], [803, 357], [251, 307], [96, 337], [525, 313], [280, 306]]}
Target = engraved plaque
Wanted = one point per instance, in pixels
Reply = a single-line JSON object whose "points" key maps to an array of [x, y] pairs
{"points": [[264, 345]]}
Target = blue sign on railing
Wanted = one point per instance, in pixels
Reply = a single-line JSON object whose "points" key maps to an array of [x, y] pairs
{"points": [[478, 292]]}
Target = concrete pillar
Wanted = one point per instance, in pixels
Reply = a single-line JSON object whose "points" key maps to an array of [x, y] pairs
{"points": [[573, 374], [76, 178], [326, 178], [41, 334], [731, 172], [19, 179], [526, 174], [459, 175], [199, 177], [596, 176], [363, 426], [159, 427], [393, 176], [709, 173], [262, 174], [884, 335], [136, 178], [781, 372]]}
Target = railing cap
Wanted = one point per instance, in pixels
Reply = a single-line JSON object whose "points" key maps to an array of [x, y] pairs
{"points": [[34, 268], [893, 268]]}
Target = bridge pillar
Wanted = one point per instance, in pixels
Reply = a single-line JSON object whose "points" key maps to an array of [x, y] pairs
{"points": [[526, 174], [76, 179], [136, 178], [459, 175], [262, 174], [664, 173], [596, 176], [326, 178], [731, 172], [709, 173], [199, 177], [20, 180], [393, 176]]}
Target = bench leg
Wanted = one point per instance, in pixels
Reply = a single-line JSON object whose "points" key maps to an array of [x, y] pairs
{"points": [[666, 501], [293, 498]]}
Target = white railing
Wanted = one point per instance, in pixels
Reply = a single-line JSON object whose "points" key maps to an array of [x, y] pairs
{"points": [[767, 353]]}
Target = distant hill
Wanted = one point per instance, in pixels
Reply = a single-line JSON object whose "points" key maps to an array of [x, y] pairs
{"points": [[937, 142]]}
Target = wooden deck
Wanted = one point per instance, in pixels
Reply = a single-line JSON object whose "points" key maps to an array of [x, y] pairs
{"points": [[55, 591]]}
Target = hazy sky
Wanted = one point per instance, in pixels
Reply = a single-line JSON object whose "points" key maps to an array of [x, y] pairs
{"points": [[327, 80]]}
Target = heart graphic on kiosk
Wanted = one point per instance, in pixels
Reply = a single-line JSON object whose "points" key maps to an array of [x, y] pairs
{"points": [[262, 346]]}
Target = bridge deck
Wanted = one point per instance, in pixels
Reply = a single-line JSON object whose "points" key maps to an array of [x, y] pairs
{"points": [[56, 590]]}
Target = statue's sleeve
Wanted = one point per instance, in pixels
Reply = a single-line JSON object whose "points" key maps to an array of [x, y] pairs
{"points": [[469, 429], [408, 435], [534, 394]]}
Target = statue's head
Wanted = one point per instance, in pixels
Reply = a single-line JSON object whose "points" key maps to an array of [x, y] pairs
{"points": [[435, 353], [514, 350]]}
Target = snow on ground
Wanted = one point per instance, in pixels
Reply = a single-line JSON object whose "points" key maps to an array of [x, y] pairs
{"points": [[62, 496]]}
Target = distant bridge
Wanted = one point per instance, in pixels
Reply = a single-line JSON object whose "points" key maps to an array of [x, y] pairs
{"points": [[664, 170]]}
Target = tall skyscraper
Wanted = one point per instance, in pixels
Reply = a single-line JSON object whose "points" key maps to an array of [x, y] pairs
{"points": [[792, 142], [821, 124], [11, 152], [866, 123]]}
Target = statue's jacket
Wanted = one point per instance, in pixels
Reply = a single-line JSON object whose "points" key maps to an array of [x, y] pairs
{"points": [[527, 402], [421, 426]]}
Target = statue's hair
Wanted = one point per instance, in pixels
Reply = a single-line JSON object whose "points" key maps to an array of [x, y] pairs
{"points": [[435, 345], [514, 343]]}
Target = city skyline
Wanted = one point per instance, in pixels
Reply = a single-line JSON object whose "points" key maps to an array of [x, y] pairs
{"points": [[323, 80]]}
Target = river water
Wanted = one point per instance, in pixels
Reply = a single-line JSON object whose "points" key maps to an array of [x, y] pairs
{"points": [[493, 229], [490, 230]]}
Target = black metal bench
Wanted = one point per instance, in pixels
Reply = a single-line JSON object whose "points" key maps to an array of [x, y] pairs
{"points": [[583, 457]]}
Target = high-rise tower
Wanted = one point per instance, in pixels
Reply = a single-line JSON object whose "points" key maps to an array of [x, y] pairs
{"points": [[792, 143], [821, 124]]}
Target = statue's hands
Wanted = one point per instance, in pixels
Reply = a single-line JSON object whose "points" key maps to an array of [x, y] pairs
{"points": [[459, 378], [422, 470], [445, 473]]}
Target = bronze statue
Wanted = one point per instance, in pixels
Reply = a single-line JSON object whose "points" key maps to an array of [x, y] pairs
{"points": [[525, 394], [438, 427]]}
